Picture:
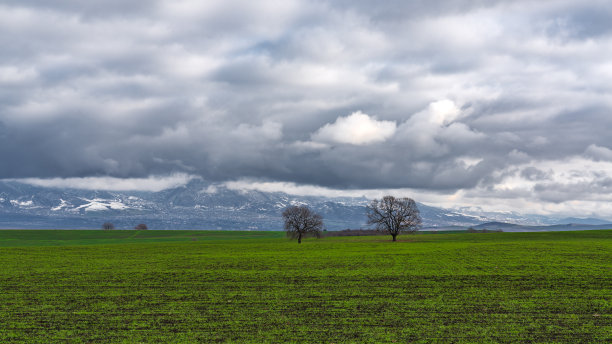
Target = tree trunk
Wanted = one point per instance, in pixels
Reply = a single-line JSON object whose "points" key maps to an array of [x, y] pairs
{"points": [[393, 235], [300, 238]]}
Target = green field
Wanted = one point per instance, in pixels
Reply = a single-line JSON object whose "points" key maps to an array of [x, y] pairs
{"points": [[199, 286]]}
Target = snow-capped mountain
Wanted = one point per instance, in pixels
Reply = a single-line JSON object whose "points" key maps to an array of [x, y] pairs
{"points": [[197, 205]]}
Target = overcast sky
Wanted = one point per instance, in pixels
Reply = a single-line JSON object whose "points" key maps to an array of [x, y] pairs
{"points": [[505, 105]]}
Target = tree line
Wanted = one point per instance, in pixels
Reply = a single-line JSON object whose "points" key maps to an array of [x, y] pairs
{"points": [[109, 226], [389, 214]]}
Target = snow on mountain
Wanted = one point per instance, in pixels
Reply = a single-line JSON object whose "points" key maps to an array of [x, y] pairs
{"points": [[201, 205], [22, 204], [99, 204], [63, 204]]}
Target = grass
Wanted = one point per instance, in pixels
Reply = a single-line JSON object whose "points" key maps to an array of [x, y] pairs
{"points": [[13, 238], [200, 286]]}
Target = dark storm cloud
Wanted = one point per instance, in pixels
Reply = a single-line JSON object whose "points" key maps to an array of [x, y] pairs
{"points": [[477, 92]]}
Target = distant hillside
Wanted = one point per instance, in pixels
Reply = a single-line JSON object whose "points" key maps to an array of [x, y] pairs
{"points": [[197, 205], [202, 205], [510, 227]]}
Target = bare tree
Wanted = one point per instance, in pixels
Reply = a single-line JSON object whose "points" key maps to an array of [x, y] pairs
{"points": [[108, 226], [301, 221], [394, 215], [141, 226]]}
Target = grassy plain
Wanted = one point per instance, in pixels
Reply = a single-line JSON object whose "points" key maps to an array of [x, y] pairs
{"points": [[199, 286]]}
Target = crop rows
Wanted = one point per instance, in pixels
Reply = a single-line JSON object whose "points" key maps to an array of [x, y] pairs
{"points": [[428, 288]]}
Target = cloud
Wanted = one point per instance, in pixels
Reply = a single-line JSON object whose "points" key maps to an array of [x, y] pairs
{"points": [[432, 131], [438, 114], [484, 90], [575, 179], [357, 129], [534, 174], [313, 190], [153, 183], [598, 153]]}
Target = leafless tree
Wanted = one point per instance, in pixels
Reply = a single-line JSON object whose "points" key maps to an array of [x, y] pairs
{"points": [[394, 215], [108, 226], [141, 226], [301, 221]]}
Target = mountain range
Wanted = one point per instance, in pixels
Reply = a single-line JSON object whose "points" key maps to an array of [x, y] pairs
{"points": [[203, 205]]}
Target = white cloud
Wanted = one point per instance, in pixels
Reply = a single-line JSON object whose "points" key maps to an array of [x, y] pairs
{"points": [[357, 129], [152, 183], [546, 187], [437, 114], [598, 153], [308, 146], [14, 75], [211, 189], [310, 190], [431, 131]]}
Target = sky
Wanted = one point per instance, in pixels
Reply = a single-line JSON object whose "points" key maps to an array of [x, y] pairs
{"points": [[498, 105]]}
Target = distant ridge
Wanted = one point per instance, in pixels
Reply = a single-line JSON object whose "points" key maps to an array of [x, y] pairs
{"points": [[197, 205], [584, 221], [511, 227], [204, 205], [497, 225]]}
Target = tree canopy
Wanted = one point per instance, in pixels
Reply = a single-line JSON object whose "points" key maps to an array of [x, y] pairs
{"points": [[394, 215], [301, 221]]}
